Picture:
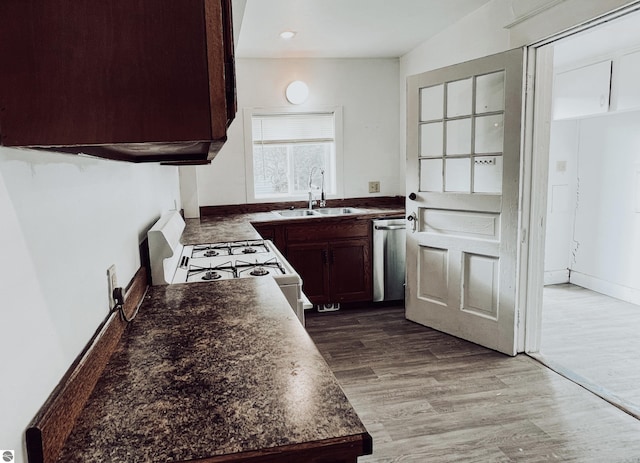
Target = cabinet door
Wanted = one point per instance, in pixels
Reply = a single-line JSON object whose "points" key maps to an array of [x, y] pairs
{"points": [[146, 80], [582, 92], [350, 270], [628, 89], [310, 260]]}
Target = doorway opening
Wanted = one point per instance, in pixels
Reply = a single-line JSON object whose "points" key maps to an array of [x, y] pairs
{"points": [[590, 304]]}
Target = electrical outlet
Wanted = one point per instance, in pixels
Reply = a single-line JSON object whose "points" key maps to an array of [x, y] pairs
{"points": [[112, 283], [374, 187]]}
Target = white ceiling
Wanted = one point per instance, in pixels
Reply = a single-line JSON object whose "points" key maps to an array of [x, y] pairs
{"points": [[343, 28]]}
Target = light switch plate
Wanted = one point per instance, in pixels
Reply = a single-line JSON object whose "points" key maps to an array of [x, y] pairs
{"points": [[561, 166], [374, 187]]}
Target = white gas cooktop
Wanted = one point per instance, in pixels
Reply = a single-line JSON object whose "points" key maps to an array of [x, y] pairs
{"points": [[236, 259]]}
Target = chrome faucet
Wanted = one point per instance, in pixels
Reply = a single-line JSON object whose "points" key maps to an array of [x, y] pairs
{"points": [[311, 200], [323, 201]]}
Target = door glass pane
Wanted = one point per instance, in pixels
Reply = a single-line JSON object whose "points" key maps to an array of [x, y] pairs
{"points": [[459, 136], [431, 139], [459, 98], [490, 92], [489, 134], [487, 174], [431, 175], [431, 103], [458, 174]]}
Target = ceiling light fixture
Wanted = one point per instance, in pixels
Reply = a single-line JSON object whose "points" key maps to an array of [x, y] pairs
{"points": [[287, 35], [297, 92]]}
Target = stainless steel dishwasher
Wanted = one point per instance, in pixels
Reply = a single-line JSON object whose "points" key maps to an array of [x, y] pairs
{"points": [[389, 247]]}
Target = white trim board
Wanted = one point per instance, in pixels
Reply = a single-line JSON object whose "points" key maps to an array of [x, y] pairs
{"points": [[556, 277], [608, 288]]}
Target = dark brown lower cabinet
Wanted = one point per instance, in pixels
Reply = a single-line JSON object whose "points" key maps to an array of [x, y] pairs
{"points": [[311, 262], [333, 271], [350, 275], [332, 255]]}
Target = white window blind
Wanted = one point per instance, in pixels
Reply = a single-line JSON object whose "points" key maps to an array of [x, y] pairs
{"points": [[292, 128]]}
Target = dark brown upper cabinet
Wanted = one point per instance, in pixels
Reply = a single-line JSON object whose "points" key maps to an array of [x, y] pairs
{"points": [[134, 80]]}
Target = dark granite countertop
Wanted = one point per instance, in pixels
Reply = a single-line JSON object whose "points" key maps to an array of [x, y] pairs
{"points": [[210, 369], [237, 227]]}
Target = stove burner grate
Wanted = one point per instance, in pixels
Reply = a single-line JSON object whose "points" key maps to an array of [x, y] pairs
{"points": [[229, 248], [222, 271], [259, 272], [258, 269], [211, 275]]}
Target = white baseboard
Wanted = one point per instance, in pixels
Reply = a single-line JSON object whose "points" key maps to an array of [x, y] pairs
{"points": [[623, 293], [556, 277]]}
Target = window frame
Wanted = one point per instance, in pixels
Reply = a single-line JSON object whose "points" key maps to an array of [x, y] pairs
{"points": [[248, 114]]}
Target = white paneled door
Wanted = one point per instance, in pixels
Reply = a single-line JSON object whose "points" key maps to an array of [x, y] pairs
{"points": [[463, 157]]}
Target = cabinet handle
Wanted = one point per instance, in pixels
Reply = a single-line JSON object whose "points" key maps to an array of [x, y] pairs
{"points": [[324, 257]]}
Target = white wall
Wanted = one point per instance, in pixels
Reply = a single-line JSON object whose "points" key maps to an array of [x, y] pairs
{"points": [[561, 201], [607, 221], [365, 88], [595, 232], [64, 220]]}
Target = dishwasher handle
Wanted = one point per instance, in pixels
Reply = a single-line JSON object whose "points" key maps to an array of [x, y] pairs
{"points": [[390, 227]]}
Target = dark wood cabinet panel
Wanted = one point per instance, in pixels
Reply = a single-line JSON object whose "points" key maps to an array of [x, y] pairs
{"points": [[337, 271], [141, 80], [333, 256], [274, 233], [267, 232], [333, 267], [351, 270], [327, 229], [311, 262]]}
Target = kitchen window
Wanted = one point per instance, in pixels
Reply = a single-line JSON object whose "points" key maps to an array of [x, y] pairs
{"points": [[289, 151]]}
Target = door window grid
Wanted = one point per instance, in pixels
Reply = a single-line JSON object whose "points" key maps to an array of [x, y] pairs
{"points": [[485, 112]]}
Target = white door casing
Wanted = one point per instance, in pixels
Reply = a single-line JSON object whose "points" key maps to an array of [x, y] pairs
{"points": [[464, 125]]}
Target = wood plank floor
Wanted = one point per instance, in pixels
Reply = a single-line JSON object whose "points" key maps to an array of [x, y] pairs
{"points": [[428, 397], [594, 336]]}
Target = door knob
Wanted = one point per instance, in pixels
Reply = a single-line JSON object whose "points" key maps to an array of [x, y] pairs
{"points": [[412, 196], [413, 218]]}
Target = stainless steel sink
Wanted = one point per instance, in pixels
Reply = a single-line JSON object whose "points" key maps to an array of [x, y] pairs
{"points": [[337, 210], [296, 212], [316, 212]]}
